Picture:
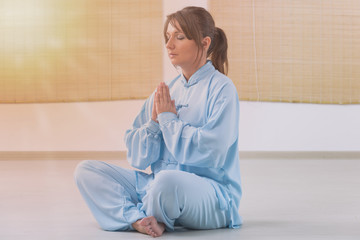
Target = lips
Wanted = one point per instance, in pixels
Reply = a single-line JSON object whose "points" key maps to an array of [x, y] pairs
{"points": [[171, 55]]}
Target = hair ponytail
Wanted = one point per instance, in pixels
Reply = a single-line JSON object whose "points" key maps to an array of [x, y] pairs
{"points": [[218, 51]]}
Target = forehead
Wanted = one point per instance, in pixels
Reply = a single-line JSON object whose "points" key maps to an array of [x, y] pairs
{"points": [[173, 27]]}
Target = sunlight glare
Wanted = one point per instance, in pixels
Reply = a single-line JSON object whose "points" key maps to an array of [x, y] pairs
{"points": [[22, 25]]}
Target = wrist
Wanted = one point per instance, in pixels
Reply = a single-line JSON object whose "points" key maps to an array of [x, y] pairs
{"points": [[166, 117]]}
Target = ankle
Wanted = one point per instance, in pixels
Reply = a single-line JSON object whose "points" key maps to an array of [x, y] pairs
{"points": [[136, 224]]}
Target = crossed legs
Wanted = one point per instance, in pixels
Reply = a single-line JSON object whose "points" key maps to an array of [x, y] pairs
{"points": [[173, 195]]}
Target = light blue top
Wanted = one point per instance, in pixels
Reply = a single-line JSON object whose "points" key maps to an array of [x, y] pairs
{"points": [[201, 139]]}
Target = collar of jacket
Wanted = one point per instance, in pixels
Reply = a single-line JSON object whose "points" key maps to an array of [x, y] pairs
{"points": [[199, 74]]}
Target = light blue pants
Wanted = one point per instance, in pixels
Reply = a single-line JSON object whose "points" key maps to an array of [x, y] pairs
{"points": [[173, 197]]}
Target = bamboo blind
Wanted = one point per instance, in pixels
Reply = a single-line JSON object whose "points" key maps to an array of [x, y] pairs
{"points": [[83, 50], [293, 50]]}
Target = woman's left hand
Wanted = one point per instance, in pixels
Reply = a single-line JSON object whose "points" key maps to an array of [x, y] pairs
{"points": [[163, 100]]}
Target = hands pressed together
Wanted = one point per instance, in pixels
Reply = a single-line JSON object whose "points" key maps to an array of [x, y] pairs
{"points": [[162, 101]]}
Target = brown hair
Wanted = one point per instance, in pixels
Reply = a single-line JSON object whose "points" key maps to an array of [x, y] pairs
{"points": [[197, 23]]}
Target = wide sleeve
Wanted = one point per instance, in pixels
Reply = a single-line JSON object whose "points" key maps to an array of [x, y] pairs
{"points": [[208, 145], [143, 141]]}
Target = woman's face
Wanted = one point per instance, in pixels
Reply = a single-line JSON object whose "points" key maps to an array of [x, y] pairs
{"points": [[182, 51]]}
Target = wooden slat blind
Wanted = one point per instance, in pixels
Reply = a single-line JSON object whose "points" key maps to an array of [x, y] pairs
{"points": [[293, 50], [83, 50]]}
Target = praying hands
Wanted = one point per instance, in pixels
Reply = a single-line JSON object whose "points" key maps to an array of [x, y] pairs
{"points": [[162, 101]]}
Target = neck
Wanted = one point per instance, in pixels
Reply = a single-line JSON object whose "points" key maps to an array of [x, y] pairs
{"points": [[189, 71]]}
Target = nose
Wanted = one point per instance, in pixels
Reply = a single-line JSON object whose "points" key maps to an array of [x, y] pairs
{"points": [[170, 43]]}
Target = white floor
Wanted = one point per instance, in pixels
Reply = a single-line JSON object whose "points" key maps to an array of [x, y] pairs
{"points": [[283, 199]]}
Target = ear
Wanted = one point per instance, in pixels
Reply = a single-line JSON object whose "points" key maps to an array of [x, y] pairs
{"points": [[206, 42]]}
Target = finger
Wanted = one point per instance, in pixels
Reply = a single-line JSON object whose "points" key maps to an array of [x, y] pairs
{"points": [[167, 93], [158, 89], [162, 92], [156, 97], [156, 101], [158, 93], [154, 111]]}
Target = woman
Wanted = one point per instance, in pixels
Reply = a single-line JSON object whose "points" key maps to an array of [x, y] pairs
{"points": [[187, 132]]}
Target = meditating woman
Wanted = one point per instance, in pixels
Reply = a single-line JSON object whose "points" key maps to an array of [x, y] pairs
{"points": [[187, 132]]}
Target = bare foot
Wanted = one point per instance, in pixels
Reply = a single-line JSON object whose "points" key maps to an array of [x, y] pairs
{"points": [[150, 226]]}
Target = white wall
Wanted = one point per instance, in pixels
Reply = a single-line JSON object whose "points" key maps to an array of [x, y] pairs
{"points": [[100, 126], [299, 127], [96, 126]]}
